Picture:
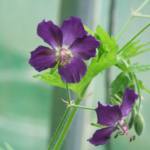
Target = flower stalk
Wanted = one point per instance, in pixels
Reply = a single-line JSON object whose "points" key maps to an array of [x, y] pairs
{"points": [[71, 104]]}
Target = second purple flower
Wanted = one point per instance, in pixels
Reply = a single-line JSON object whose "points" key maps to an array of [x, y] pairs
{"points": [[69, 46]]}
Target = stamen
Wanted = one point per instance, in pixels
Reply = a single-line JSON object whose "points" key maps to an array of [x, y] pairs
{"points": [[123, 130], [64, 56]]}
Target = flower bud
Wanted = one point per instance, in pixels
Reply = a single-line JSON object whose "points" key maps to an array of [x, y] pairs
{"points": [[138, 124]]}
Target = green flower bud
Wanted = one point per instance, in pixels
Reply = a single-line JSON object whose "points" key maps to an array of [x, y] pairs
{"points": [[138, 123]]}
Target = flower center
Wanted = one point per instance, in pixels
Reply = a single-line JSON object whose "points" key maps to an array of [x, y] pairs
{"points": [[123, 126], [64, 56]]}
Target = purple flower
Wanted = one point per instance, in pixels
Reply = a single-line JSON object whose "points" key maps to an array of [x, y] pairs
{"points": [[112, 117], [69, 46]]}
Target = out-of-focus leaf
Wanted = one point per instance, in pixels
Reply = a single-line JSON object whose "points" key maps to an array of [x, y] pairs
{"points": [[108, 43], [114, 101], [129, 43], [120, 83], [130, 50], [8, 146], [138, 123], [134, 48], [142, 86], [139, 68]]}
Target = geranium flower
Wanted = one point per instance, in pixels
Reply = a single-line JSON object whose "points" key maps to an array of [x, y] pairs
{"points": [[69, 46], [112, 117]]}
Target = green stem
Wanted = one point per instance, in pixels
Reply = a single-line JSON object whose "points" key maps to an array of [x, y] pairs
{"points": [[61, 123], [142, 5], [139, 91], [58, 129], [68, 93], [136, 13], [82, 107], [142, 15], [64, 126], [134, 37], [126, 25], [65, 129]]}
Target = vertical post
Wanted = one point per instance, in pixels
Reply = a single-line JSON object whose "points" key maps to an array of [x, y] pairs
{"points": [[108, 71]]}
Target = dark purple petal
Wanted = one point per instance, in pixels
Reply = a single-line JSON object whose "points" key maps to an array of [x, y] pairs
{"points": [[101, 136], [85, 47], [42, 58], [72, 29], [50, 33], [108, 115], [129, 99], [74, 71]]}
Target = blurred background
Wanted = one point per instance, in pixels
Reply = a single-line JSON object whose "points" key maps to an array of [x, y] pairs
{"points": [[29, 109]]}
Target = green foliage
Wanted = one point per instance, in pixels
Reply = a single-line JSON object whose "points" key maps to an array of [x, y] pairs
{"points": [[107, 43], [138, 123], [142, 86], [120, 83], [139, 68], [134, 48], [131, 41]]}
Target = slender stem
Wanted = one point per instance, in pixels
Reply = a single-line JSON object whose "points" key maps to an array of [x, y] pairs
{"points": [[72, 104], [58, 129], [68, 92], [124, 28], [82, 107], [135, 13], [142, 5], [62, 132], [134, 37], [139, 91], [142, 51], [142, 15], [96, 125], [66, 127]]}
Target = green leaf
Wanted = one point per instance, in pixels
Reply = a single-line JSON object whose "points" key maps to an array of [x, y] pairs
{"points": [[130, 50], [134, 48], [120, 83], [142, 86], [138, 123], [108, 43]]}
